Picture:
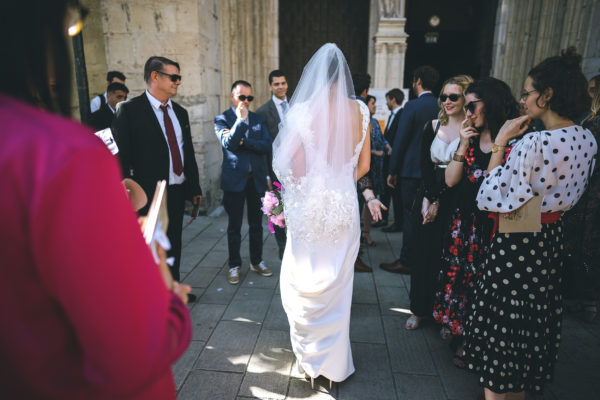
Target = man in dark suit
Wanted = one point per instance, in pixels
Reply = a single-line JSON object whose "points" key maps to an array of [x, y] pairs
{"points": [[406, 156], [103, 118], [393, 99], [246, 142], [155, 142], [274, 111]]}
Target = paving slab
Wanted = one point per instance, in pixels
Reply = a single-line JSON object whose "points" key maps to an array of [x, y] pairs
{"points": [[220, 291], [210, 385], [419, 387], [229, 347], [184, 365], [393, 300], [363, 290], [408, 349], [249, 305], [205, 318], [373, 379], [300, 389], [365, 324], [268, 372], [276, 317], [201, 277]]}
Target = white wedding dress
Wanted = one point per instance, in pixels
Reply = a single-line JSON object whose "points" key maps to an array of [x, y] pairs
{"points": [[317, 272]]}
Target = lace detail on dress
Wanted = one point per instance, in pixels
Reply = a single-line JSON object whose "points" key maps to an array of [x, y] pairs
{"points": [[319, 211], [364, 110], [323, 204]]}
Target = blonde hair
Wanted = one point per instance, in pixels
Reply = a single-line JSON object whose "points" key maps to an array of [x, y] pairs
{"points": [[461, 80], [595, 109]]}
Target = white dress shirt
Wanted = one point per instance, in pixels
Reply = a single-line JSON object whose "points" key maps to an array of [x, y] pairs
{"points": [[95, 103], [155, 103], [391, 118], [279, 107]]}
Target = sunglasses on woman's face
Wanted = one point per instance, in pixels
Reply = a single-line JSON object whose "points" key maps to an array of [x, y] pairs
{"points": [[243, 98], [470, 106], [453, 97]]}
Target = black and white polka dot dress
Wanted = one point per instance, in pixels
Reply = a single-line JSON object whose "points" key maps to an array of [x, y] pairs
{"points": [[513, 332]]}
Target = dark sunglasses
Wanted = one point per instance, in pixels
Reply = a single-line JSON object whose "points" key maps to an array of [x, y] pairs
{"points": [[470, 106], [453, 97], [173, 77], [243, 98]]}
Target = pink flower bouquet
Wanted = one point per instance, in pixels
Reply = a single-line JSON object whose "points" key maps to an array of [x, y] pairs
{"points": [[272, 207]]}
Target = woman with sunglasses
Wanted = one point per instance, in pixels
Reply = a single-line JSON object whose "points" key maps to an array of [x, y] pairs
{"points": [[85, 313], [514, 329], [440, 140], [489, 104]]}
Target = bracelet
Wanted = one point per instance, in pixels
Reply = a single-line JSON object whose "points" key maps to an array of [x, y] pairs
{"points": [[496, 148], [370, 198], [437, 203], [458, 157]]}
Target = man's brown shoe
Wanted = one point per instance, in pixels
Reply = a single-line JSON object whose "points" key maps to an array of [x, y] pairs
{"points": [[360, 266], [396, 267]]}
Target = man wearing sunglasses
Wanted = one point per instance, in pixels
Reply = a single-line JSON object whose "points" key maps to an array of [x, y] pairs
{"points": [[246, 142], [155, 142]]}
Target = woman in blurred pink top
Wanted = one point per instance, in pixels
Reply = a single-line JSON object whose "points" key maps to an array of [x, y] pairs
{"points": [[84, 310]]}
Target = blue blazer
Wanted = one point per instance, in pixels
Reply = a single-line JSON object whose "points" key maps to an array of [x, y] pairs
{"points": [[406, 150], [238, 157]]}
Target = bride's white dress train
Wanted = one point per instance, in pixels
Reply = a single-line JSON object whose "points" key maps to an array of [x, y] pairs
{"points": [[318, 267]]}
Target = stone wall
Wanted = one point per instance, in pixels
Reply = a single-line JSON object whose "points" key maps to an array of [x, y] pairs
{"points": [[528, 31]]}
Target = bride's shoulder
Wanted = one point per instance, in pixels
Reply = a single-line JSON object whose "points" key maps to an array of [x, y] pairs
{"points": [[362, 107]]}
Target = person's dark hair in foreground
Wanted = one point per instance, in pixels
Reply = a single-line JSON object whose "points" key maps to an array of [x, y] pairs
{"points": [[86, 312]]}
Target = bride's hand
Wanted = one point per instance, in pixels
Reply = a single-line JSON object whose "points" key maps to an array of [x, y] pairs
{"points": [[375, 207]]}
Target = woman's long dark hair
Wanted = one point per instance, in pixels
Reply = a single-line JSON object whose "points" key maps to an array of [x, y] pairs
{"points": [[498, 101], [37, 68]]}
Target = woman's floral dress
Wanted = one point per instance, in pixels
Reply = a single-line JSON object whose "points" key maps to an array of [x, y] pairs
{"points": [[465, 246]]}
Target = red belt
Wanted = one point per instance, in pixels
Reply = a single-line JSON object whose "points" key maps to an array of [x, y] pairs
{"points": [[546, 218]]}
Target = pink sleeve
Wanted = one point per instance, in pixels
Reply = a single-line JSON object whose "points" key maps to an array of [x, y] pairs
{"points": [[92, 258]]}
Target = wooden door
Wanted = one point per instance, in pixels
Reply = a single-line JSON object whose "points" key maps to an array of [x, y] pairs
{"points": [[306, 25]]}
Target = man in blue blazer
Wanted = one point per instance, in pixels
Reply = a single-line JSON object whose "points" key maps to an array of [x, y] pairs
{"points": [[405, 160], [245, 141]]}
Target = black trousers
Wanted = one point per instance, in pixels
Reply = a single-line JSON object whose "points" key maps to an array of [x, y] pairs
{"points": [[426, 267], [408, 188], [234, 206], [175, 208], [392, 196]]}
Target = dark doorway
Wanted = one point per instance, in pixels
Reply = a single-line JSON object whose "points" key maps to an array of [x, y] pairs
{"points": [[306, 25], [460, 43]]}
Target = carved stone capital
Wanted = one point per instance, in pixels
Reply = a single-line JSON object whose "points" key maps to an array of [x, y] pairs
{"points": [[391, 8]]}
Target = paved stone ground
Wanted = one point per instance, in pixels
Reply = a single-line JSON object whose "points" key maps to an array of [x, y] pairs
{"points": [[241, 348]]}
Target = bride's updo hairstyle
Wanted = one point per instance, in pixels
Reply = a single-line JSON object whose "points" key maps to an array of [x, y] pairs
{"points": [[498, 102], [563, 75]]}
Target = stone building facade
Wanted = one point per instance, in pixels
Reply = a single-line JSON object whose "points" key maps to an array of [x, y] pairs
{"points": [[219, 41]]}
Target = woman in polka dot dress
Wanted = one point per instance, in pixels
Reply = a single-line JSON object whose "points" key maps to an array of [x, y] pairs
{"points": [[489, 103], [513, 330]]}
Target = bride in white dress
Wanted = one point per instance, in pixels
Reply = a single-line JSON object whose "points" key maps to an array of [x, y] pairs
{"points": [[321, 150]]}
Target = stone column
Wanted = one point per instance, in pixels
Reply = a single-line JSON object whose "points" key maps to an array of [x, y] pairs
{"points": [[390, 45]]}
